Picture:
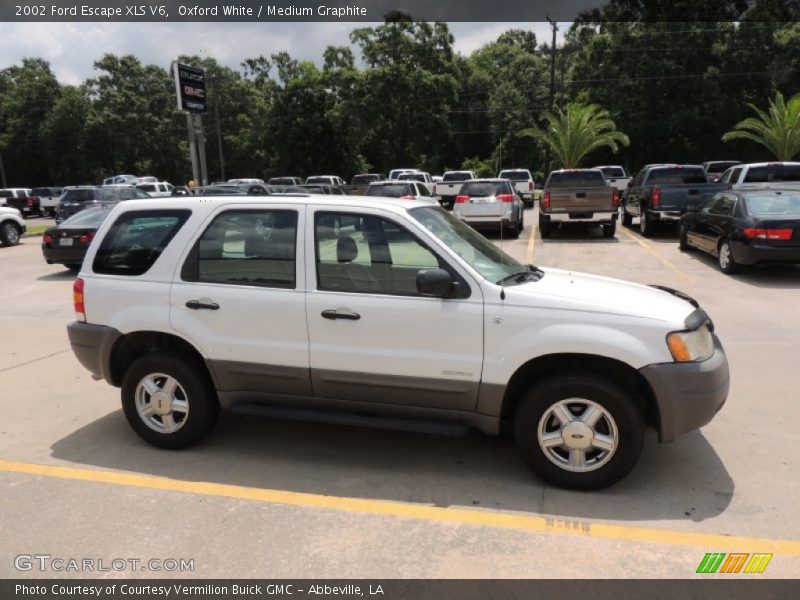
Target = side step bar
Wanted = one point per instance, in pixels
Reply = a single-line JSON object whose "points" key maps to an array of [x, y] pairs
{"points": [[428, 426]]}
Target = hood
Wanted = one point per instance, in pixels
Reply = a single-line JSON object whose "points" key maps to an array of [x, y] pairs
{"points": [[594, 293]]}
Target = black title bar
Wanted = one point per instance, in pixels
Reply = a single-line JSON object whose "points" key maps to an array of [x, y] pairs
{"points": [[519, 11]]}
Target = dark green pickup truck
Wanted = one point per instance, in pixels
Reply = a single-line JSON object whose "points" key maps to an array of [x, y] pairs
{"points": [[663, 193]]}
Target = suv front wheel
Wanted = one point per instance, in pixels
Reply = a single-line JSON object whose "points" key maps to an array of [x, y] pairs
{"points": [[579, 431], [169, 400]]}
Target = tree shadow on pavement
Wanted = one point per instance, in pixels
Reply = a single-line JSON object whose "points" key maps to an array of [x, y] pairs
{"points": [[685, 480]]}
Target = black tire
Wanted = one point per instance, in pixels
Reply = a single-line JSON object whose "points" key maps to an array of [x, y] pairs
{"points": [[544, 226], [683, 238], [201, 398], [647, 224], [603, 392], [730, 265], [627, 219], [9, 233], [610, 230]]}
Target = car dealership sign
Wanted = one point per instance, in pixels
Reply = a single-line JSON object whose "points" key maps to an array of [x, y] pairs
{"points": [[190, 86]]}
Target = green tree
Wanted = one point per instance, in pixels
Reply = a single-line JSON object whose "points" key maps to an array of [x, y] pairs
{"points": [[27, 93], [778, 130], [65, 127], [578, 130]]}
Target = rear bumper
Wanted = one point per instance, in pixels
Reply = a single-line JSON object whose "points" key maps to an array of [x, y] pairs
{"points": [[582, 217], [488, 222], [688, 395], [92, 346], [666, 215], [752, 254], [63, 256]]}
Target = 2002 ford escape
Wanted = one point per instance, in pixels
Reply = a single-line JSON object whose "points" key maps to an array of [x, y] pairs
{"points": [[389, 313]]}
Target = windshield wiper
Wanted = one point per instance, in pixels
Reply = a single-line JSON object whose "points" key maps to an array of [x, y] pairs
{"points": [[531, 273]]}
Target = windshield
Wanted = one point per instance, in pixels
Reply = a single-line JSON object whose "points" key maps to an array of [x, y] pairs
{"points": [[771, 173], [456, 177], [612, 172], [515, 175], [766, 205], [481, 254], [569, 179], [677, 176], [394, 190], [88, 217], [318, 180], [719, 167]]}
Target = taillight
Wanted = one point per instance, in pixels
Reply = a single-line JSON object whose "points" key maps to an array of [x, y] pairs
{"points": [[434, 188], [505, 197], [615, 202], [77, 300], [407, 197], [87, 237], [530, 186], [47, 238], [768, 234], [546, 200], [655, 197], [29, 201], [461, 198]]}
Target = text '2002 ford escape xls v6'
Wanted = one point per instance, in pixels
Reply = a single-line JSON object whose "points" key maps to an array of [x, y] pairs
{"points": [[384, 312]]}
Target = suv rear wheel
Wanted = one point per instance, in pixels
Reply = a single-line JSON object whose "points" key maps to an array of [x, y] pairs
{"points": [[169, 400], [579, 431], [9, 234]]}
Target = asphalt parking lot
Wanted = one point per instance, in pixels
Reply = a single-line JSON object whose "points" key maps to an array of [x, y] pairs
{"points": [[264, 498]]}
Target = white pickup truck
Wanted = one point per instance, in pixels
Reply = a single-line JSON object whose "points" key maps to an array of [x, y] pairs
{"points": [[615, 176], [522, 180], [754, 176], [450, 186], [48, 200]]}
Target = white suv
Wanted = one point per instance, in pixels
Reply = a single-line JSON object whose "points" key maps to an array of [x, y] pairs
{"points": [[385, 312]]}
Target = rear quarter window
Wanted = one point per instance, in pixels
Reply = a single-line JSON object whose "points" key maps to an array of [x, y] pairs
{"points": [[136, 240]]}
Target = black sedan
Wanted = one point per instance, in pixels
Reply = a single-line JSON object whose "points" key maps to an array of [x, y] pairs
{"points": [[67, 243], [745, 228]]}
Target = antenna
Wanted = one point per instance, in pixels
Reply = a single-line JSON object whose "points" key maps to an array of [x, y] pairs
{"points": [[502, 263]]}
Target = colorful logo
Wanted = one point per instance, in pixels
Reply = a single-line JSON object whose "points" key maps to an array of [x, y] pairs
{"points": [[716, 562]]}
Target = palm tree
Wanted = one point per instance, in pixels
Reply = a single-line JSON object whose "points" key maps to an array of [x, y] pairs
{"points": [[576, 131], [778, 130]]}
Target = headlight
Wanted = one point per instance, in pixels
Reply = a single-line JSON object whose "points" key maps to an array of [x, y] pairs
{"points": [[687, 346]]}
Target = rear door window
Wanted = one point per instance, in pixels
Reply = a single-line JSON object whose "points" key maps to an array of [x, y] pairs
{"points": [[246, 247], [136, 240]]}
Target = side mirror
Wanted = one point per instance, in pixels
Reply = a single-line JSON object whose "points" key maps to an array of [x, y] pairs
{"points": [[437, 283]]}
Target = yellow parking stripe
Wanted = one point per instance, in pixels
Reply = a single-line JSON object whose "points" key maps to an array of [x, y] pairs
{"points": [[666, 262], [461, 516], [531, 243]]}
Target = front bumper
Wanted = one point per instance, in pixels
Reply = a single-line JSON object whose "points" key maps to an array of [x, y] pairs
{"points": [[688, 395], [92, 346]]}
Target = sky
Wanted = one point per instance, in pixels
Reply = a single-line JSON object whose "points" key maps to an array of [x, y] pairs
{"points": [[72, 48]]}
